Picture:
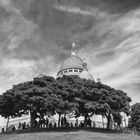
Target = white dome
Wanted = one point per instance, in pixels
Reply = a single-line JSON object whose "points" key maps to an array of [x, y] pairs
{"points": [[71, 62]]}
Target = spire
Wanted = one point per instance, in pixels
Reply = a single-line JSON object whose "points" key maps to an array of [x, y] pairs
{"points": [[73, 50]]}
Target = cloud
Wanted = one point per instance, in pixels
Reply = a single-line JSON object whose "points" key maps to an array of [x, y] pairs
{"points": [[36, 36], [116, 60], [75, 10]]}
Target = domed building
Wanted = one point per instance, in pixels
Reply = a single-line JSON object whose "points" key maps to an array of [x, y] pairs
{"points": [[74, 65]]}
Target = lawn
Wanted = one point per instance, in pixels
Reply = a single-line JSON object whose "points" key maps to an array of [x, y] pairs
{"points": [[74, 135]]}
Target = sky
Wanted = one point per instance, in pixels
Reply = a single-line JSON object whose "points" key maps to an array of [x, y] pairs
{"points": [[36, 36]]}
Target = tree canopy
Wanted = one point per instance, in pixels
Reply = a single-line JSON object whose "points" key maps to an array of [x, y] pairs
{"points": [[46, 95], [135, 116]]}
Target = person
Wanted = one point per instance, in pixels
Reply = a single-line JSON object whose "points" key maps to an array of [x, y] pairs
{"points": [[27, 126], [65, 121], [2, 130], [46, 122], [81, 124], [94, 124], [62, 122], [55, 125], [36, 123], [24, 125], [43, 122], [19, 126], [13, 128], [89, 122], [71, 125], [40, 123], [76, 123], [50, 125]]}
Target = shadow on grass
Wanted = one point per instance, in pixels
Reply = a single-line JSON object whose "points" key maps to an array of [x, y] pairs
{"points": [[64, 129]]}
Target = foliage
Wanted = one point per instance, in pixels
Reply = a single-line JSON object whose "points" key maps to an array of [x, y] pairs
{"points": [[135, 116], [47, 96]]}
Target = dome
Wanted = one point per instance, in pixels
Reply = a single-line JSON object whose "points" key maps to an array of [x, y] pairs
{"points": [[72, 62], [86, 75]]}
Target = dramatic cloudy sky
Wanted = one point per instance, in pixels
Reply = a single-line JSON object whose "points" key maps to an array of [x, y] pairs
{"points": [[36, 35]]}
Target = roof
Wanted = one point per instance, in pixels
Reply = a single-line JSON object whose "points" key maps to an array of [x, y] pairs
{"points": [[72, 62]]}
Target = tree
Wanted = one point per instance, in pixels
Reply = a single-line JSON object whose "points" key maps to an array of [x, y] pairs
{"points": [[135, 116], [83, 94], [94, 98], [117, 100], [7, 106], [117, 118], [32, 96], [47, 96], [65, 96]]}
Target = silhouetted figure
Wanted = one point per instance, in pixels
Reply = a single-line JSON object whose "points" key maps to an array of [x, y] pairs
{"points": [[94, 124], [24, 125], [13, 128], [46, 122], [55, 125], [2, 130], [71, 125], [40, 123], [62, 122], [81, 124], [43, 122], [89, 122], [76, 123], [50, 125], [27, 126], [19, 126], [35, 123]]}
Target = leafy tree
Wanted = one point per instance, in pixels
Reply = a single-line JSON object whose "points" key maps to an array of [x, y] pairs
{"points": [[94, 98], [32, 96], [7, 108], [47, 96], [66, 96], [135, 116], [117, 118], [117, 100]]}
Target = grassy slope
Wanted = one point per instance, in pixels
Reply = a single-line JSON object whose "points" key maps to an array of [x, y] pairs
{"points": [[79, 135]]}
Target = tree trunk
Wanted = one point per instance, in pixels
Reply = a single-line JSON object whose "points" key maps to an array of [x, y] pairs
{"points": [[108, 121], [59, 120], [31, 119], [103, 121], [85, 121], [7, 123]]}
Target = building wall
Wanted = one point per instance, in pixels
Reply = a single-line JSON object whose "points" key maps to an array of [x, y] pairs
{"points": [[71, 71]]}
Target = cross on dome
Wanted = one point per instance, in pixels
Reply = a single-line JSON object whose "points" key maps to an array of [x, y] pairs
{"points": [[73, 50]]}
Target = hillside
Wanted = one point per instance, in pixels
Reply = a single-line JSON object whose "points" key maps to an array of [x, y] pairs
{"points": [[76, 135]]}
